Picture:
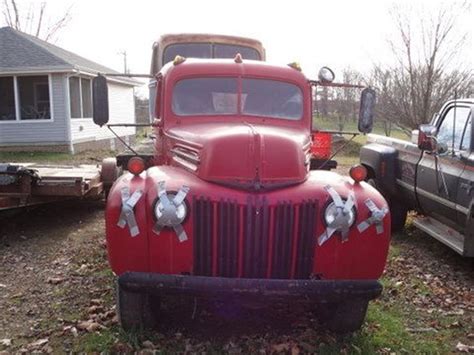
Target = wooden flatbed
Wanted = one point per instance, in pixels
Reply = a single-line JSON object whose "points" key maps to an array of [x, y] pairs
{"points": [[25, 184]]}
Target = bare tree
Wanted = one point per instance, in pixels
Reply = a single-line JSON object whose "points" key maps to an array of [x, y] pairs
{"points": [[34, 20], [429, 67]]}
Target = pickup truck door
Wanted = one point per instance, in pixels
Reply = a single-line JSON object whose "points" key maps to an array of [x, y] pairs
{"points": [[465, 194], [438, 175]]}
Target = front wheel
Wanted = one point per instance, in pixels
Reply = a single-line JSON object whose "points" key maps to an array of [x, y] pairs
{"points": [[343, 317], [398, 211], [136, 310]]}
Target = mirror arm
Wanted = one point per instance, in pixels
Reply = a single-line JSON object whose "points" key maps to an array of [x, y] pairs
{"points": [[354, 134], [339, 132], [336, 85]]}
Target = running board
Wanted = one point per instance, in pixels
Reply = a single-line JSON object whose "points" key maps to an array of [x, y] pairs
{"points": [[441, 232]]}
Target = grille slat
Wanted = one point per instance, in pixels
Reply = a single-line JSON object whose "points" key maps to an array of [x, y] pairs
{"points": [[225, 223]]}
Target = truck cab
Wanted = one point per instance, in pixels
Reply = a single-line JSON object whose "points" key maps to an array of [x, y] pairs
{"points": [[199, 45], [231, 205], [433, 175]]}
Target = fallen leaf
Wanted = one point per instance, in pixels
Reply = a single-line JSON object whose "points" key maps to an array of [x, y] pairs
{"points": [[88, 325], [148, 344], [38, 343], [464, 348], [54, 280], [6, 342], [279, 348]]}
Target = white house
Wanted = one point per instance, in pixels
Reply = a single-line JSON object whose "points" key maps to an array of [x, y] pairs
{"points": [[46, 98]]}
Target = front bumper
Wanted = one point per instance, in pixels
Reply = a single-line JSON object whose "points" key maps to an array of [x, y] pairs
{"points": [[320, 290]]}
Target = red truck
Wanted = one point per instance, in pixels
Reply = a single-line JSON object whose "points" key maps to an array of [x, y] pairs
{"points": [[231, 205]]}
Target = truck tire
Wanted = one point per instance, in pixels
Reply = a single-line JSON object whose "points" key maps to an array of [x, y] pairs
{"points": [[343, 317], [136, 310], [398, 211]]}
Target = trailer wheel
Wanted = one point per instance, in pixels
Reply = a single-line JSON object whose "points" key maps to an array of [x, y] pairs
{"points": [[109, 173], [343, 317], [136, 310], [398, 211]]}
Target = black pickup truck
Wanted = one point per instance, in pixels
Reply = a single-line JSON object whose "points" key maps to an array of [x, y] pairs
{"points": [[433, 175]]}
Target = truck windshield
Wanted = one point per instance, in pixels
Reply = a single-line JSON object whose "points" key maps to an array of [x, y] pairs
{"points": [[208, 50], [220, 96]]}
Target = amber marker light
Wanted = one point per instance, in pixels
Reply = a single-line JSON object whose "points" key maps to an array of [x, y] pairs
{"points": [[136, 165], [178, 60], [238, 58], [358, 173]]}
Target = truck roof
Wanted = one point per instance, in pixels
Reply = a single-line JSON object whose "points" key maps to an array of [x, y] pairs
{"points": [[230, 67], [466, 100], [206, 37]]}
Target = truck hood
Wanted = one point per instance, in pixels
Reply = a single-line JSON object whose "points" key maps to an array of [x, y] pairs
{"points": [[242, 155]]}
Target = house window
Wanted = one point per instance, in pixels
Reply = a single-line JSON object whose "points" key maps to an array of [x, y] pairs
{"points": [[34, 101], [7, 99], [80, 96], [25, 98]]}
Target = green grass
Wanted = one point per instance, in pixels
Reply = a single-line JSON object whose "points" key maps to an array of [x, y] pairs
{"points": [[332, 124]]}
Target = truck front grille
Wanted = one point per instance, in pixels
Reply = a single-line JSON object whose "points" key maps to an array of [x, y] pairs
{"points": [[254, 240]]}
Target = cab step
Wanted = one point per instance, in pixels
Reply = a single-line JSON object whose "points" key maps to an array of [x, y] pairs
{"points": [[441, 232]]}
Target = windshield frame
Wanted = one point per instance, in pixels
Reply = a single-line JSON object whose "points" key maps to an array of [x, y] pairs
{"points": [[240, 112]]}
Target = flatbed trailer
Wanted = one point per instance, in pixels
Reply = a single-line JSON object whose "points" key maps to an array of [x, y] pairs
{"points": [[26, 184]]}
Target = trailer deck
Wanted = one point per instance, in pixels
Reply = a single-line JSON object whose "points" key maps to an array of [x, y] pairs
{"points": [[26, 184]]}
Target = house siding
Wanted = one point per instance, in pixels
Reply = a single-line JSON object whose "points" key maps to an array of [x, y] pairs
{"points": [[122, 110], [54, 132]]}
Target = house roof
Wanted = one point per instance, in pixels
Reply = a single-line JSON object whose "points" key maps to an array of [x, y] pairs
{"points": [[23, 53]]}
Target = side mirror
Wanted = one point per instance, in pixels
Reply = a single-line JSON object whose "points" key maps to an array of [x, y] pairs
{"points": [[366, 112], [100, 100], [326, 75], [426, 137]]}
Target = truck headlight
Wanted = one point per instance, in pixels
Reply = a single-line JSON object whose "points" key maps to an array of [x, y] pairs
{"points": [[168, 214], [339, 215], [335, 214], [171, 210]]}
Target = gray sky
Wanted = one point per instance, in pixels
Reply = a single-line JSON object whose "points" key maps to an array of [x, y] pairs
{"points": [[336, 33]]}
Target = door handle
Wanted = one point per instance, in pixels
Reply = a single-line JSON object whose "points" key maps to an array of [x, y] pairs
{"points": [[468, 186]]}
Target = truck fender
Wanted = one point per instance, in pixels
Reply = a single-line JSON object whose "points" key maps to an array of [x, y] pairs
{"points": [[380, 161]]}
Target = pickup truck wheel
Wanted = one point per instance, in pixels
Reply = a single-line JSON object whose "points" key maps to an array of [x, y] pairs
{"points": [[398, 211], [136, 310], [343, 317]]}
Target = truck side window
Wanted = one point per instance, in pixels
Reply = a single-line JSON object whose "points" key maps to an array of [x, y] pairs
{"points": [[466, 141], [445, 131]]}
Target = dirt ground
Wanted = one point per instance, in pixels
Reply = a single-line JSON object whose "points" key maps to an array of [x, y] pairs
{"points": [[57, 294]]}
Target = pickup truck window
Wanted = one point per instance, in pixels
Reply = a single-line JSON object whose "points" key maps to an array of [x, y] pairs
{"points": [[445, 130], [219, 96], [208, 50], [188, 50], [229, 51]]}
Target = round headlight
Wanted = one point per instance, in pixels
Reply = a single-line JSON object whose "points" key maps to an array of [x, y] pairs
{"points": [[170, 215], [336, 216]]}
